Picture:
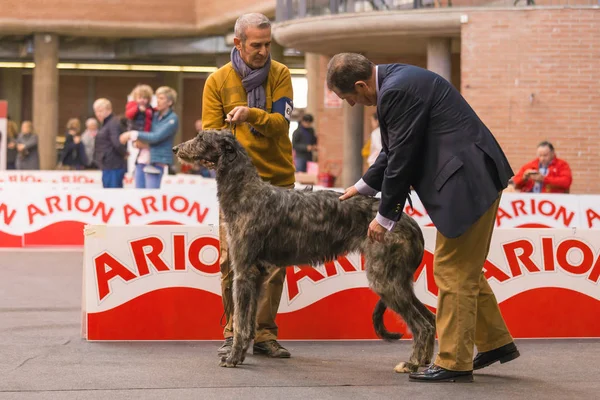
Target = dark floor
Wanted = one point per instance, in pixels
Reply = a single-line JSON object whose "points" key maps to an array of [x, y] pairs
{"points": [[43, 357]]}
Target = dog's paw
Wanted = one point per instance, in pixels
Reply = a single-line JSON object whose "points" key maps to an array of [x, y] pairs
{"points": [[406, 367], [228, 362]]}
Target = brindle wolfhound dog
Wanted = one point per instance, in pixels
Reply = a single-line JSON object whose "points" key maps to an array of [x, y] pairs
{"points": [[271, 227]]}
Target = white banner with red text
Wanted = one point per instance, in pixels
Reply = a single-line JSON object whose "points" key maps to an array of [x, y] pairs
{"points": [[163, 283], [53, 213]]}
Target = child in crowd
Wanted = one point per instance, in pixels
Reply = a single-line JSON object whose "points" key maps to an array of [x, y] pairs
{"points": [[139, 112]]}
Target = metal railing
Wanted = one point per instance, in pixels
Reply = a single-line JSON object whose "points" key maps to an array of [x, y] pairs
{"points": [[294, 9]]}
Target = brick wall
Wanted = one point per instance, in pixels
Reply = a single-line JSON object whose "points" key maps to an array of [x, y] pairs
{"points": [[176, 11], [533, 76], [74, 97]]}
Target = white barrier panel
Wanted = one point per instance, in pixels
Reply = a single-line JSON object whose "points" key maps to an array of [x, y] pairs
{"points": [[44, 215], [90, 179], [49, 214], [162, 283]]}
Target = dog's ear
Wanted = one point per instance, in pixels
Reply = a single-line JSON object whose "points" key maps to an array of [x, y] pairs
{"points": [[228, 143]]}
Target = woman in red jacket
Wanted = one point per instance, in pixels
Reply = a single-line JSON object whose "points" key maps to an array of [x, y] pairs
{"points": [[545, 174]]}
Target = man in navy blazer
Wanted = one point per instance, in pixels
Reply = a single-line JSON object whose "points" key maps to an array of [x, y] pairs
{"points": [[433, 141]]}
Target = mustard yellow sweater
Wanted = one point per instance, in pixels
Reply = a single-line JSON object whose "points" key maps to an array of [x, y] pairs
{"points": [[271, 152]]}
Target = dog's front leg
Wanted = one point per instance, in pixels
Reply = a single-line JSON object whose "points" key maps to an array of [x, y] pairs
{"points": [[245, 298]]}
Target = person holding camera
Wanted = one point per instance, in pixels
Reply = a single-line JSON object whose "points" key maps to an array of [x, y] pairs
{"points": [[545, 174]]}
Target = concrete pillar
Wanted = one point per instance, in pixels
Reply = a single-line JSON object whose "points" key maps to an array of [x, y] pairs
{"points": [[45, 96], [353, 142], [439, 57], [311, 63], [175, 81], [11, 90], [276, 51]]}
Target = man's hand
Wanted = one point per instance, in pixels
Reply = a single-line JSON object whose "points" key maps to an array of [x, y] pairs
{"points": [[11, 145], [237, 115], [376, 232], [350, 192], [529, 172], [537, 177], [20, 147]]}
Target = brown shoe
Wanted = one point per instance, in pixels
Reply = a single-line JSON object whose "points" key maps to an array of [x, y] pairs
{"points": [[271, 348]]}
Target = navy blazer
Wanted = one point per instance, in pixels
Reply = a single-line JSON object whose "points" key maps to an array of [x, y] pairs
{"points": [[433, 140]]}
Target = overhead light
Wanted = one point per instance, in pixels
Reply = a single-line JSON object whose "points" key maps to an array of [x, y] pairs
{"points": [[130, 67], [198, 69]]}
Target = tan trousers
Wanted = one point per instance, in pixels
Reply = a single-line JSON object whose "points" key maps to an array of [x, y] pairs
{"points": [[268, 301], [467, 310]]}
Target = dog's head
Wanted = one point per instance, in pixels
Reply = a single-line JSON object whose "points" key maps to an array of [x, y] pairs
{"points": [[208, 148]]}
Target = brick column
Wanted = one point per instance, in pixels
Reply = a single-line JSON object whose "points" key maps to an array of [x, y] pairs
{"points": [[45, 97]]}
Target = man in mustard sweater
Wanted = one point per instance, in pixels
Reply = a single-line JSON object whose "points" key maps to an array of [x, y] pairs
{"points": [[254, 93]]}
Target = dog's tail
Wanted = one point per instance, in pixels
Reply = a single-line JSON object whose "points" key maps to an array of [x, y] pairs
{"points": [[383, 333]]}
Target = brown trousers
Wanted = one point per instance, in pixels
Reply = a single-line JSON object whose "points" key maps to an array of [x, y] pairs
{"points": [[268, 301], [467, 310]]}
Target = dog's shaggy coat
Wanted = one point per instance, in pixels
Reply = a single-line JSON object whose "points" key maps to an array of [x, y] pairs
{"points": [[271, 227]]}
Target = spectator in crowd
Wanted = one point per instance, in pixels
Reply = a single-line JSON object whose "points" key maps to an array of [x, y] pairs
{"points": [[139, 113], [73, 154], [11, 144], [88, 138], [375, 141], [304, 142], [27, 148], [262, 122], [159, 139], [109, 154], [545, 174]]}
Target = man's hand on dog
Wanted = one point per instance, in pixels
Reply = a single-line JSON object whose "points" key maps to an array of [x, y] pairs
{"points": [[376, 232], [350, 192], [237, 115]]}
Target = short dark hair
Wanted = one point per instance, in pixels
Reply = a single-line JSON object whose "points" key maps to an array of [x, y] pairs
{"points": [[307, 118], [547, 144], [345, 69]]}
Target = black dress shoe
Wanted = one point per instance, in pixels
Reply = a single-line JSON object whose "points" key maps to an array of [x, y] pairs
{"points": [[506, 353], [435, 373]]}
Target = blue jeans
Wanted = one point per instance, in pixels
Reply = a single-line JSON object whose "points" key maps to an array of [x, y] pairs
{"points": [[113, 178], [144, 180], [301, 164]]}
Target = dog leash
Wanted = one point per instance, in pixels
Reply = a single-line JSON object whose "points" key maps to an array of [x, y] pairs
{"points": [[232, 128]]}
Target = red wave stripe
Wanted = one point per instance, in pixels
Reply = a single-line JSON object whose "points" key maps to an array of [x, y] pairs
{"points": [[533, 225], [192, 314], [551, 312], [164, 314], [63, 233], [8, 240]]}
